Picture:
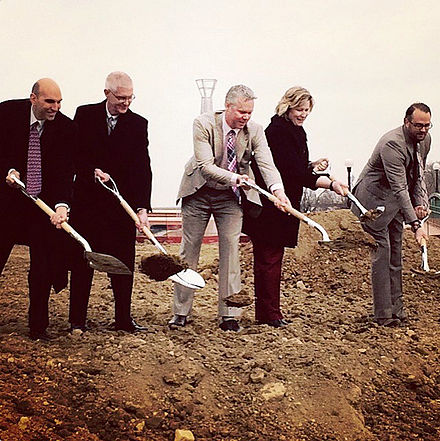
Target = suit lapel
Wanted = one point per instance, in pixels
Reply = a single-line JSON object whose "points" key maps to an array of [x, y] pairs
{"points": [[218, 137], [242, 143]]}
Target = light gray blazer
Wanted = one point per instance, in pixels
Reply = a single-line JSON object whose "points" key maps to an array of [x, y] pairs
{"points": [[388, 179], [204, 166]]}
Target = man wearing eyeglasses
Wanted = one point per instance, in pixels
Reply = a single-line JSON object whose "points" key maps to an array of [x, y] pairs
{"points": [[113, 141], [394, 178]]}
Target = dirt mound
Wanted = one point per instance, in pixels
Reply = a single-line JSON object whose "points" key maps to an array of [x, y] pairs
{"points": [[331, 375]]}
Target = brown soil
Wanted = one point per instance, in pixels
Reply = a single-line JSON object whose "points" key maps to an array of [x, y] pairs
{"points": [[331, 375]]}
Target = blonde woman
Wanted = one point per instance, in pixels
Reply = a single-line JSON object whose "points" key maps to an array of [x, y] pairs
{"points": [[273, 230]]}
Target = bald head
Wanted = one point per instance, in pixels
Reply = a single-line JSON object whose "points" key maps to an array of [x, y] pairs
{"points": [[46, 99]]}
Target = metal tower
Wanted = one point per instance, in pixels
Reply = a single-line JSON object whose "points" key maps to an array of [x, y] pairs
{"points": [[206, 89]]}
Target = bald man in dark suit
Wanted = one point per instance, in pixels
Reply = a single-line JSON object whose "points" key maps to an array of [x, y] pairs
{"points": [[48, 174]]}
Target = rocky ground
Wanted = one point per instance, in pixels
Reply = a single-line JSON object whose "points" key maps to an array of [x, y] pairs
{"points": [[331, 375]]}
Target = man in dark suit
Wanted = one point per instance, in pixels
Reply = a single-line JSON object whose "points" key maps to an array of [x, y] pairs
{"points": [[112, 141], [394, 177], [36, 144]]}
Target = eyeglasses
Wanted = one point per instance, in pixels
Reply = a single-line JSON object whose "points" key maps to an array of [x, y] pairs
{"points": [[420, 126], [122, 99]]}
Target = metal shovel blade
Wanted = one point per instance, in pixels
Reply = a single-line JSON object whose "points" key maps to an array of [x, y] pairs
{"points": [[106, 263], [188, 278]]}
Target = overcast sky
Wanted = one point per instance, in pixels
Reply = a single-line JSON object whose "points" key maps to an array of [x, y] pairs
{"points": [[364, 61]]}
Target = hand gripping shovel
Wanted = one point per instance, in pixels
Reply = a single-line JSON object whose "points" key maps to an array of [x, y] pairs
{"points": [[97, 261], [294, 212], [425, 270], [186, 277], [372, 214]]}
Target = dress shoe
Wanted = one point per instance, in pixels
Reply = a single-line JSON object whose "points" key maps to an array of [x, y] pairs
{"points": [[177, 321], [278, 323], [130, 326], [40, 335], [388, 322], [230, 325]]}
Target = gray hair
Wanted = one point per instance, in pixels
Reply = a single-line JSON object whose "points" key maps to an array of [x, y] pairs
{"points": [[239, 91], [117, 79]]}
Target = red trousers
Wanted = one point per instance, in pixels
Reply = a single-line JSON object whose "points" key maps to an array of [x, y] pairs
{"points": [[268, 260]]}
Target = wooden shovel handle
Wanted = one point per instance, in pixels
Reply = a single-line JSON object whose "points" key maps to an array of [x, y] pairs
{"points": [[145, 229], [65, 226]]}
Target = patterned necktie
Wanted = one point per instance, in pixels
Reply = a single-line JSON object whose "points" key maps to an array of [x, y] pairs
{"points": [[419, 174], [111, 122], [232, 158], [33, 176]]}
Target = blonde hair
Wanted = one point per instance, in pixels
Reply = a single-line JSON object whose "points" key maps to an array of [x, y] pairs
{"points": [[292, 99]]}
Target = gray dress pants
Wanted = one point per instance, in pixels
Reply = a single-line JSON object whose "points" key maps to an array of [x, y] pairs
{"points": [[228, 217], [386, 270]]}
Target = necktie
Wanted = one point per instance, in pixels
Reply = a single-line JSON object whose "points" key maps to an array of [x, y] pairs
{"points": [[111, 122], [33, 176], [419, 174], [232, 158]]}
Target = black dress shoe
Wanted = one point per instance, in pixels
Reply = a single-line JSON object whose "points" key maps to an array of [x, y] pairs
{"points": [[177, 321], [278, 323], [131, 327], [388, 322], [40, 335], [229, 325]]}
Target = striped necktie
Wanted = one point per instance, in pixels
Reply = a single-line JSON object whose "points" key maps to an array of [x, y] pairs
{"points": [[232, 158], [33, 176]]}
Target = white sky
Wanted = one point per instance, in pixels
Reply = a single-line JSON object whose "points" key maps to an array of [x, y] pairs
{"points": [[364, 61]]}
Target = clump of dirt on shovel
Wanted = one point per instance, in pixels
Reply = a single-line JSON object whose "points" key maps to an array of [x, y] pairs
{"points": [[161, 266], [239, 299]]}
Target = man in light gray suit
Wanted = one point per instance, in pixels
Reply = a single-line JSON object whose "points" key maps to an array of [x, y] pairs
{"points": [[394, 177], [224, 143]]}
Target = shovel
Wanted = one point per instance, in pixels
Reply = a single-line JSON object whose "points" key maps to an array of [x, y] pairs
{"points": [[372, 214], [97, 261], [293, 211], [186, 277]]}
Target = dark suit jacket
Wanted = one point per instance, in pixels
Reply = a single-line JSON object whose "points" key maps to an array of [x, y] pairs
{"points": [[57, 144], [124, 155], [288, 144]]}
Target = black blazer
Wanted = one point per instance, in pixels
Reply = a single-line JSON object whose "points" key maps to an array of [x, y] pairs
{"points": [[57, 144], [288, 144], [123, 154]]}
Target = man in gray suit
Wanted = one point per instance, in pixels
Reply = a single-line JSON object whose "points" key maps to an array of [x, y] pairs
{"points": [[394, 177], [224, 143]]}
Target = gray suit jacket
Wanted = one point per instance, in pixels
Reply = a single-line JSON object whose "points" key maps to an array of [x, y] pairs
{"points": [[204, 166], [388, 179]]}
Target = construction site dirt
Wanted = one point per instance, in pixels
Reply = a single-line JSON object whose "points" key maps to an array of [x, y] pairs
{"points": [[332, 374]]}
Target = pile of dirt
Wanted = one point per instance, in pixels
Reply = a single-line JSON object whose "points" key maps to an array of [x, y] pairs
{"points": [[330, 375]]}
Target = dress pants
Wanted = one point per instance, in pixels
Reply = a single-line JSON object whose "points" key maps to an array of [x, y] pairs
{"points": [[118, 241], [386, 270], [32, 227], [268, 260], [228, 217]]}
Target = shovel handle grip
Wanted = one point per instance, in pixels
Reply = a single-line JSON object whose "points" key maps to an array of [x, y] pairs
{"points": [[65, 226]]}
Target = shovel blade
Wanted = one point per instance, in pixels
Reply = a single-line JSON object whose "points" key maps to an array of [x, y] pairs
{"points": [[106, 263], [188, 278]]}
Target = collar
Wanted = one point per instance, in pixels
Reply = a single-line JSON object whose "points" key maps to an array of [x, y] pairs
{"points": [[226, 128], [34, 119], [109, 115]]}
